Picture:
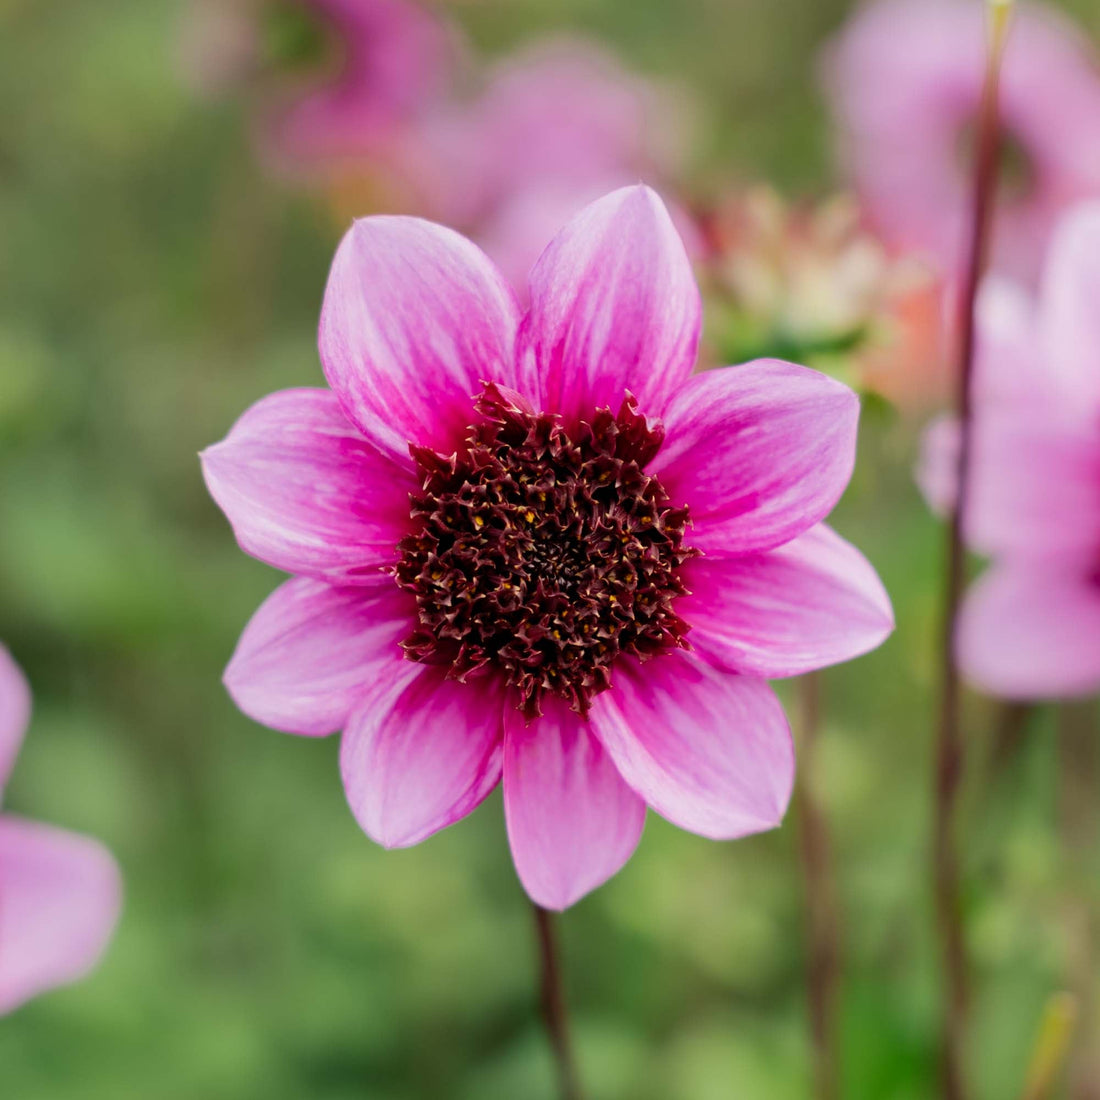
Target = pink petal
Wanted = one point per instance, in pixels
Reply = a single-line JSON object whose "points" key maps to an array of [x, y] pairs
{"points": [[572, 821], [415, 318], [1031, 630], [305, 492], [813, 602], [614, 307], [1033, 480], [15, 712], [709, 750], [421, 752], [1070, 314], [760, 453], [60, 895], [312, 652]]}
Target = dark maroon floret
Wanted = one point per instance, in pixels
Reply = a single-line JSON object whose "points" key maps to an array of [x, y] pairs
{"points": [[543, 553]]}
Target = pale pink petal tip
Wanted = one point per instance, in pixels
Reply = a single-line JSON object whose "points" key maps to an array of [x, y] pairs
{"points": [[614, 308], [419, 754], [572, 820], [709, 751], [15, 712], [312, 652], [61, 896]]}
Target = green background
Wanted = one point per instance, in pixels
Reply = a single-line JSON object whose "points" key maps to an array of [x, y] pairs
{"points": [[153, 282]]}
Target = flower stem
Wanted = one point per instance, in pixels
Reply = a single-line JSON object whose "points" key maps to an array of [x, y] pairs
{"points": [[1079, 767], [554, 1012], [821, 906], [949, 744]]}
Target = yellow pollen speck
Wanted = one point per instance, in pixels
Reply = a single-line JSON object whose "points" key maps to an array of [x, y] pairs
{"points": [[613, 599], [529, 516], [478, 521]]}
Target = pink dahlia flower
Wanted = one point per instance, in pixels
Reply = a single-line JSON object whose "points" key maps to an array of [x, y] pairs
{"points": [[1030, 627], [905, 81], [59, 892], [534, 547]]}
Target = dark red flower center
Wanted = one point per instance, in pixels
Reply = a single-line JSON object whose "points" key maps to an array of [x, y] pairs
{"points": [[544, 553]]}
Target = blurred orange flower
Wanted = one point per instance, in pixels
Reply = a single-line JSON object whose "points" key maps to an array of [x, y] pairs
{"points": [[807, 281]]}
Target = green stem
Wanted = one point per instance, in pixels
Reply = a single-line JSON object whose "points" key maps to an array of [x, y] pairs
{"points": [[554, 1011]]}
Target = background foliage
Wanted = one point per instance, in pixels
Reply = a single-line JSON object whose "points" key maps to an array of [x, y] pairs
{"points": [[155, 282]]}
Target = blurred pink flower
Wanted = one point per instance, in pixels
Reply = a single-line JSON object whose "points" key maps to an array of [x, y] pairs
{"points": [[1030, 627], [556, 125], [524, 617], [395, 60], [378, 65], [905, 82], [59, 892]]}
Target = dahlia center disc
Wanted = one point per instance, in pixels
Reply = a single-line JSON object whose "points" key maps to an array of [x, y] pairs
{"points": [[543, 554]]}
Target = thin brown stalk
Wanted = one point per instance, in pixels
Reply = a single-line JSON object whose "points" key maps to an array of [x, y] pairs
{"points": [[949, 744], [1079, 760], [554, 1011], [823, 924]]}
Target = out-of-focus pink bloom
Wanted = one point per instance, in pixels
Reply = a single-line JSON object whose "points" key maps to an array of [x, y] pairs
{"points": [[1030, 627], [379, 64], [59, 892], [395, 60], [556, 125], [579, 502], [905, 82]]}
